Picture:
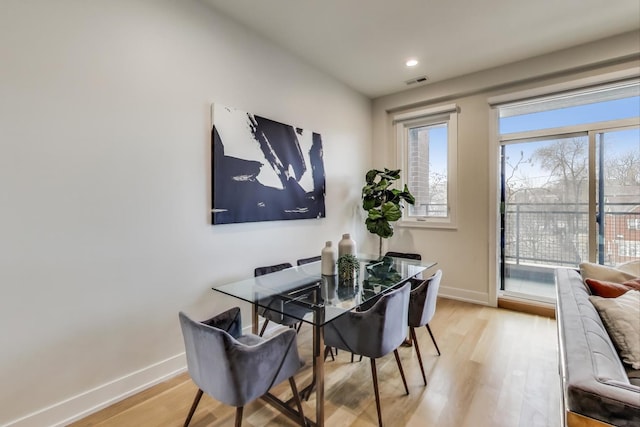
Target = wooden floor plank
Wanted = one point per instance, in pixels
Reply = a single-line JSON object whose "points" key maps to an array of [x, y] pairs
{"points": [[498, 368]]}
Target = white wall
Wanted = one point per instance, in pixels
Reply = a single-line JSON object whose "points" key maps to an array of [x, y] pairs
{"points": [[467, 255], [105, 188]]}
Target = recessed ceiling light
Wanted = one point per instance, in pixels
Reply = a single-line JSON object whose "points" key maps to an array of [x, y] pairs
{"points": [[412, 62]]}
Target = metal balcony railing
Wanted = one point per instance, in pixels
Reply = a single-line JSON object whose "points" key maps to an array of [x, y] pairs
{"points": [[556, 234]]}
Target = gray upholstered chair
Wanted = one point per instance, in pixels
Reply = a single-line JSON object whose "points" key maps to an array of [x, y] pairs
{"points": [[374, 333], [422, 307], [275, 315], [233, 368], [303, 261], [406, 255]]}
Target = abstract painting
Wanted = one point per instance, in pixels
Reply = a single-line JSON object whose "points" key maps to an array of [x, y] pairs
{"points": [[263, 170]]}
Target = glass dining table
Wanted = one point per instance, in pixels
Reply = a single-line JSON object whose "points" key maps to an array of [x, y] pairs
{"points": [[304, 294]]}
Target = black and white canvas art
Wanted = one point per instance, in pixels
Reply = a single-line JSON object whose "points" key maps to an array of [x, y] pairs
{"points": [[263, 170]]}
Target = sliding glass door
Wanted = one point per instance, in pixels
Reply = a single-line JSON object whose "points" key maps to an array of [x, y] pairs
{"points": [[570, 187], [545, 212]]}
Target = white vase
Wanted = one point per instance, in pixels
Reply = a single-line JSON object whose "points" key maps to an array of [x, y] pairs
{"points": [[328, 260], [346, 246]]}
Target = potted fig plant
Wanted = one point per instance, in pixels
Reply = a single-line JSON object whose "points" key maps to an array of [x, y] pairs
{"points": [[383, 203]]}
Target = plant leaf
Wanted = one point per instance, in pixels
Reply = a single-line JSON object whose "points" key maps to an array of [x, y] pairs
{"points": [[371, 175], [370, 202], [406, 195], [375, 214], [382, 185], [391, 211], [393, 196], [395, 173], [379, 227]]}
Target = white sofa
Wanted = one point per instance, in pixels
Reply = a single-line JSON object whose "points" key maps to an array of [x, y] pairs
{"points": [[598, 388]]}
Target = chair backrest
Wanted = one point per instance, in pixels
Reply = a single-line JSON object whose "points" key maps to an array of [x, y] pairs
{"points": [[260, 271], [303, 261], [229, 321], [394, 310], [406, 255], [374, 332], [422, 305], [207, 360]]}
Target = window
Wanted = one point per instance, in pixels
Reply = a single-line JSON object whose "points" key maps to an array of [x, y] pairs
{"points": [[427, 144], [633, 224], [628, 249], [569, 183]]}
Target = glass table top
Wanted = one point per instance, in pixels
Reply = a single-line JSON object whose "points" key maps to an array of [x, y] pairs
{"points": [[305, 294]]}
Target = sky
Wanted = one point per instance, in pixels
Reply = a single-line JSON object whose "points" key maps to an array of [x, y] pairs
{"points": [[616, 142], [590, 113]]}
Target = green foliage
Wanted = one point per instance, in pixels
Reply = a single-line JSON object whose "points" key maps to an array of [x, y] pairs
{"points": [[348, 265], [383, 203]]}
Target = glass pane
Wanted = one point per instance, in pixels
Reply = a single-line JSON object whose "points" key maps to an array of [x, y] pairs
{"points": [[427, 170], [619, 184], [572, 115], [545, 212]]}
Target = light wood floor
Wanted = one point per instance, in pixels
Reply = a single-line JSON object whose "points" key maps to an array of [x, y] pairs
{"points": [[498, 368]]}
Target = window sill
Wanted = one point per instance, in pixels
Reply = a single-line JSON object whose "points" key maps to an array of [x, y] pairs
{"points": [[428, 223], [527, 306]]}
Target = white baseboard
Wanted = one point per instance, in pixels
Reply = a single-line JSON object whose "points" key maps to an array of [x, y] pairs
{"points": [[90, 401], [474, 297]]}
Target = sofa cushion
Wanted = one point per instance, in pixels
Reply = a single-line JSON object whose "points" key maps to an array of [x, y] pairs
{"points": [[632, 267], [605, 289], [621, 317], [590, 270]]}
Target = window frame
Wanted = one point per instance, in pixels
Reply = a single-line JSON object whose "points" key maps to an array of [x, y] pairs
{"points": [[427, 117]]}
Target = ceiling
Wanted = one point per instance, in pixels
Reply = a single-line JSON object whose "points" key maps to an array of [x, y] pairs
{"points": [[365, 43]]}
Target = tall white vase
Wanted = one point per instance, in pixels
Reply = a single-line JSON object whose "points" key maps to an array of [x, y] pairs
{"points": [[347, 246], [328, 260]]}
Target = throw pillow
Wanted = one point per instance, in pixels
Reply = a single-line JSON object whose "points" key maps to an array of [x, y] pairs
{"points": [[631, 267], [633, 283], [621, 318], [605, 289], [602, 272]]}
